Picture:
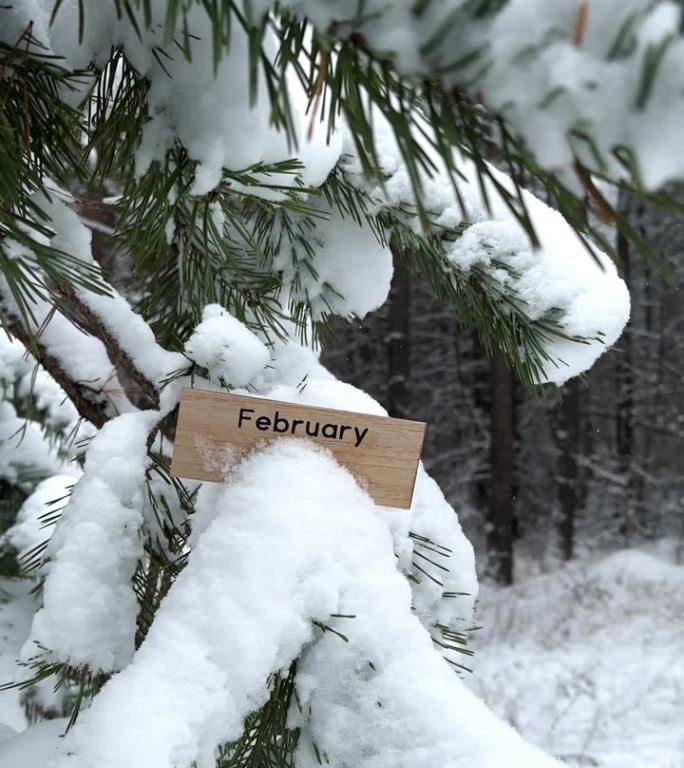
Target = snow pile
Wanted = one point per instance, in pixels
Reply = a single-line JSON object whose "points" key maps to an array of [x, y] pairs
{"points": [[428, 540], [560, 281], [89, 607], [291, 540], [223, 345], [588, 662]]}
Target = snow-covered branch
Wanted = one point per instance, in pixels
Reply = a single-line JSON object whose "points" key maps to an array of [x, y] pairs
{"points": [[288, 542], [81, 395], [72, 305]]}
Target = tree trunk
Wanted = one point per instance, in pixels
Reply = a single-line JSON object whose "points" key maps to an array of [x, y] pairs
{"points": [[501, 523], [398, 358], [624, 427], [567, 429]]}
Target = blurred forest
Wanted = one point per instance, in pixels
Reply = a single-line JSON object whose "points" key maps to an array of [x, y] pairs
{"points": [[547, 473]]}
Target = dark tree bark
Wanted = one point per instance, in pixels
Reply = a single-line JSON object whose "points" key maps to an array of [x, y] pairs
{"points": [[503, 481], [398, 347], [567, 430], [624, 421]]}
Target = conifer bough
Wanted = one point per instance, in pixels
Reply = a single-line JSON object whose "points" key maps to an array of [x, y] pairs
{"points": [[189, 192]]}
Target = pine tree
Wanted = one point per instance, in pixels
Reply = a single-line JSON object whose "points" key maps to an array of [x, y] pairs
{"points": [[190, 192]]}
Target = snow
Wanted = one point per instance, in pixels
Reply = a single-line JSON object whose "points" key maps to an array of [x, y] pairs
{"points": [[82, 357], [292, 364], [350, 270], [560, 85], [132, 333], [451, 572], [135, 337], [560, 277], [328, 393], [291, 539], [217, 140], [561, 280], [49, 498], [34, 748], [97, 543], [598, 93], [547, 84], [25, 455], [31, 450], [18, 369], [203, 106], [16, 610], [587, 662], [223, 345]]}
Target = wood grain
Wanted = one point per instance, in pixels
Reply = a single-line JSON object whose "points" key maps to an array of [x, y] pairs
{"points": [[216, 430]]}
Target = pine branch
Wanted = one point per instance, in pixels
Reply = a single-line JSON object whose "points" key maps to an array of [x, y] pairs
{"points": [[496, 312]]}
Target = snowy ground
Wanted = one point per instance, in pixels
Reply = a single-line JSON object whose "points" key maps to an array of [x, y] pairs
{"points": [[588, 662]]}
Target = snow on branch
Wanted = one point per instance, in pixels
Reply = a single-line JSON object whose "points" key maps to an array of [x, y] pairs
{"points": [[578, 307], [82, 395], [291, 543], [85, 336], [89, 607], [576, 293], [226, 348], [593, 80], [125, 335], [28, 384]]}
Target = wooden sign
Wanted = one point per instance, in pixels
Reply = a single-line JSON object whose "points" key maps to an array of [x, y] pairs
{"points": [[216, 430]]}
